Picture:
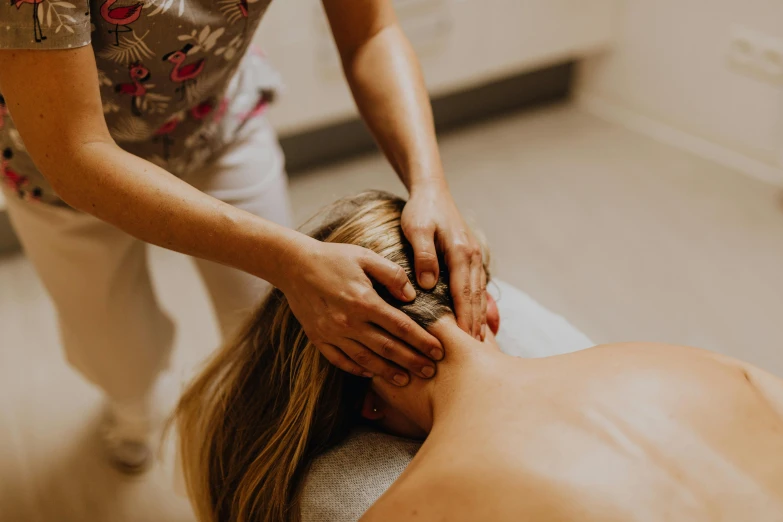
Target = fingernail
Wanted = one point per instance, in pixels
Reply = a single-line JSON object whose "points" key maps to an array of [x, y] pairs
{"points": [[483, 331], [437, 354], [401, 379], [368, 375], [427, 279], [428, 371], [409, 292]]}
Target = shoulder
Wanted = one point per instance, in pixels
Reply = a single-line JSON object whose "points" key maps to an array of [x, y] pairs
{"points": [[429, 492], [407, 501]]}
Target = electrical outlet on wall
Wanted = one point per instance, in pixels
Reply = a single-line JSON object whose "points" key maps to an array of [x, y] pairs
{"points": [[756, 54]]}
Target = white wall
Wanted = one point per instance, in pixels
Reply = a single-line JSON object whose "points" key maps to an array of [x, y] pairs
{"points": [[669, 74]]}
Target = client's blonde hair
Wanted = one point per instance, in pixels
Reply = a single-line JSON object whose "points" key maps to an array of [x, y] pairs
{"points": [[269, 403]]}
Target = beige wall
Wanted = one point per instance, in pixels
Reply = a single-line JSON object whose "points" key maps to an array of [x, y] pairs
{"points": [[460, 43], [670, 65]]}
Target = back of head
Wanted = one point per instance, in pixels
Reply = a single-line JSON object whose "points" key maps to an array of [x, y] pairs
{"points": [[268, 403]]}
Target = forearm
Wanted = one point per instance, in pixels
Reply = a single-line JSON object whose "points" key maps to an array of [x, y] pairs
{"points": [[388, 87], [149, 203]]}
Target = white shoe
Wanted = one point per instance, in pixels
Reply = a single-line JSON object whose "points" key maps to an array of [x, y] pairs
{"points": [[128, 440], [131, 431]]}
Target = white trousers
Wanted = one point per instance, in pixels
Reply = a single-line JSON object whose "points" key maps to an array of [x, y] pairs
{"points": [[113, 331]]}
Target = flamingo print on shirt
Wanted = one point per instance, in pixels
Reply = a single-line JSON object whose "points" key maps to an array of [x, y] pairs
{"points": [[3, 111], [15, 181], [265, 97], [164, 133], [121, 16], [181, 112], [243, 8], [202, 110], [37, 31], [135, 88], [180, 73]]}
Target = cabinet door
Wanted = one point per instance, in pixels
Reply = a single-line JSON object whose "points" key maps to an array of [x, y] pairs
{"points": [[460, 43]]}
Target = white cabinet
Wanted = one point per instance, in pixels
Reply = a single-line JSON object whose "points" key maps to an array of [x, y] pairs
{"points": [[460, 43]]}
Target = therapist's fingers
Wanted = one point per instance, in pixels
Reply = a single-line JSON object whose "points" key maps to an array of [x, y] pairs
{"points": [[476, 294], [425, 257], [336, 356], [397, 324], [394, 350], [364, 357], [389, 274], [458, 260], [483, 303]]}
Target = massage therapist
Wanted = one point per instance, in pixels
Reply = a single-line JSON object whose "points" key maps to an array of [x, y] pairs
{"points": [[127, 122]]}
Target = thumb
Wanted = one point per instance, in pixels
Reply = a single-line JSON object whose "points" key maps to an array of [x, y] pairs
{"points": [[425, 257], [389, 274]]}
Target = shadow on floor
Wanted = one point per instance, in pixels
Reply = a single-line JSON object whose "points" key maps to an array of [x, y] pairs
{"points": [[82, 486]]}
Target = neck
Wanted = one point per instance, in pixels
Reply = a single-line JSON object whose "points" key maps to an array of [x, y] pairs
{"points": [[426, 401]]}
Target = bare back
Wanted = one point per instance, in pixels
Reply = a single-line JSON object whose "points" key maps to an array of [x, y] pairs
{"points": [[617, 432]]}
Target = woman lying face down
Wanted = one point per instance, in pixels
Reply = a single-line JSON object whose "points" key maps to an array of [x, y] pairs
{"points": [[268, 404], [617, 432]]}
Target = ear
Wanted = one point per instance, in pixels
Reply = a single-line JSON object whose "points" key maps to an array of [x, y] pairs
{"points": [[493, 315], [373, 408]]}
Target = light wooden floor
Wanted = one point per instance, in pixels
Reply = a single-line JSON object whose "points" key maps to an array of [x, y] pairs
{"points": [[629, 239]]}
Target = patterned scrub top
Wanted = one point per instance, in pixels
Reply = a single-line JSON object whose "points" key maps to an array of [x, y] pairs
{"points": [[177, 80]]}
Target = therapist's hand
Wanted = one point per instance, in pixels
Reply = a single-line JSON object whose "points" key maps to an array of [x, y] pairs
{"points": [[432, 224], [329, 287]]}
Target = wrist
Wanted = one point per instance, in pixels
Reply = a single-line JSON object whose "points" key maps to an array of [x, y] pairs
{"points": [[430, 182], [288, 256]]}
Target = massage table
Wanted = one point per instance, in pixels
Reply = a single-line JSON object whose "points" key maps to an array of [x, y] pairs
{"points": [[343, 483]]}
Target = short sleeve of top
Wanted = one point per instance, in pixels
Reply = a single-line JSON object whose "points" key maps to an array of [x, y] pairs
{"points": [[44, 24]]}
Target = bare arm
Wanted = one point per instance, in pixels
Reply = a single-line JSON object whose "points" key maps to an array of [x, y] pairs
{"points": [[60, 119], [388, 86]]}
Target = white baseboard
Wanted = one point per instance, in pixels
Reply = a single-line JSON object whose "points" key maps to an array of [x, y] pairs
{"points": [[677, 138]]}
